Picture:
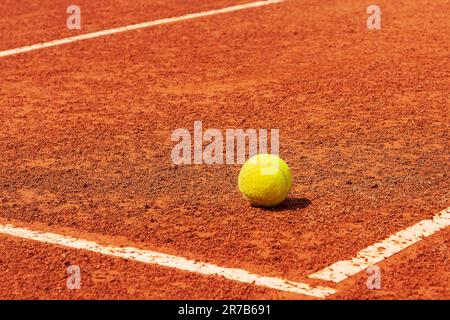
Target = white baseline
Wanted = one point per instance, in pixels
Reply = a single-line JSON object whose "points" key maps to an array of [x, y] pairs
{"points": [[142, 25], [166, 260], [376, 253]]}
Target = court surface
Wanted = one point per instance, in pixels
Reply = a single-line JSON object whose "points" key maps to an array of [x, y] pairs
{"points": [[86, 176]]}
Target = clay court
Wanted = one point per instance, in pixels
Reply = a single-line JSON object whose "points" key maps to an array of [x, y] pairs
{"points": [[86, 177]]}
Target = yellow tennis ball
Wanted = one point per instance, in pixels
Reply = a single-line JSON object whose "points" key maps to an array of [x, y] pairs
{"points": [[265, 180]]}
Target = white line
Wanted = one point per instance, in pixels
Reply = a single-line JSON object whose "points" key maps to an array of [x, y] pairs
{"points": [[170, 261], [86, 36], [373, 254]]}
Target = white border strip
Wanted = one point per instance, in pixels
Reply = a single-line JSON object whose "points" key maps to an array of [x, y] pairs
{"points": [[97, 34], [170, 261], [341, 270]]}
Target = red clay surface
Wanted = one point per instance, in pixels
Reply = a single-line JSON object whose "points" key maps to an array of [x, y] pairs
{"points": [[363, 117], [43, 275], [35, 22], [419, 272]]}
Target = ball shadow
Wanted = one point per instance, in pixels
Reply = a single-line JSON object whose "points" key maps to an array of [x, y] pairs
{"points": [[291, 204]]}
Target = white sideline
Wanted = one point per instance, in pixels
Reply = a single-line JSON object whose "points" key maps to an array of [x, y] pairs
{"points": [[376, 253], [170, 261], [86, 36]]}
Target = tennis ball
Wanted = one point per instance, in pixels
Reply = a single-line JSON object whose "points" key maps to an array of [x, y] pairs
{"points": [[265, 180]]}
